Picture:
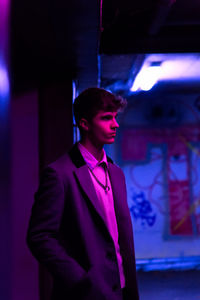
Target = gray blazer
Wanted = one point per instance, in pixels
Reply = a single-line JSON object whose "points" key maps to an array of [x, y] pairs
{"points": [[68, 234]]}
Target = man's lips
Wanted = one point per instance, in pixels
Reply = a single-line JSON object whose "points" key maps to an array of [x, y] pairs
{"points": [[113, 134]]}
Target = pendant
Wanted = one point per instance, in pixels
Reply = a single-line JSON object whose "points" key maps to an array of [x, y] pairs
{"points": [[107, 188]]}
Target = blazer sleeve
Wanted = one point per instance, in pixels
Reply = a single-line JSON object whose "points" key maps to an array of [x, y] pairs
{"points": [[42, 236]]}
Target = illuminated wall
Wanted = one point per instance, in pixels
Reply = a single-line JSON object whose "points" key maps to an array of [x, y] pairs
{"points": [[158, 148]]}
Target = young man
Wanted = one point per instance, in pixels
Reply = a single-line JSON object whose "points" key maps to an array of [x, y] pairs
{"points": [[80, 227]]}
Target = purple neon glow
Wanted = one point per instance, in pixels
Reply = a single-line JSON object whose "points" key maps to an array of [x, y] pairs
{"points": [[4, 14], [4, 29]]}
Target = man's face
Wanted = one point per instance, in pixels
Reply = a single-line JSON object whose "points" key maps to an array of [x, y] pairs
{"points": [[102, 128]]}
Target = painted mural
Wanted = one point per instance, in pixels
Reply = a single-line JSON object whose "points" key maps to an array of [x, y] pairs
{"points": [[159, 151]]}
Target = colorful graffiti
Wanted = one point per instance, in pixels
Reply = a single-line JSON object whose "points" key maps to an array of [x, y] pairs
{"points": [[178, 144], [142, 209]]}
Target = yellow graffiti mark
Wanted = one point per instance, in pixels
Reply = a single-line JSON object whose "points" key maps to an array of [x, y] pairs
{"points": [[190, 211], [195, 150]]}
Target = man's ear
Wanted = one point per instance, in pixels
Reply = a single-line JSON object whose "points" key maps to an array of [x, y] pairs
{"points": [[84, 124]]}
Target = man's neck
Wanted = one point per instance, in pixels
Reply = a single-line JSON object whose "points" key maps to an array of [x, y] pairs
{"points": [[96, 151]]}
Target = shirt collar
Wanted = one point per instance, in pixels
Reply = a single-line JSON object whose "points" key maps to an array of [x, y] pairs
{"points": [[91, 161]]}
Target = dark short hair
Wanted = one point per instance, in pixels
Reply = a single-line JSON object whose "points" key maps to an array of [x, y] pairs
{"points": [[92, 100]]}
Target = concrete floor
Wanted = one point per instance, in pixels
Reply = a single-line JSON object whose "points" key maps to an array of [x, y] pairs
{"points": [[169, 285]]}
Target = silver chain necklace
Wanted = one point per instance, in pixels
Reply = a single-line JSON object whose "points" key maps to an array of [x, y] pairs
{"points": [[105, 187]]}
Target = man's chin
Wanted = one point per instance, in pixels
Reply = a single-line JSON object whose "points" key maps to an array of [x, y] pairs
{"points": [[110, 141]]}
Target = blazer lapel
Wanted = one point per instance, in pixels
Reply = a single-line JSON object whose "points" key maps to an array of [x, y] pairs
{"points": [[82, 174], [85, 181]]}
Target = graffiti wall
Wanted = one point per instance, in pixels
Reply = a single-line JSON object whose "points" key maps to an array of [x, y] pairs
{"points": [[159, 150]]}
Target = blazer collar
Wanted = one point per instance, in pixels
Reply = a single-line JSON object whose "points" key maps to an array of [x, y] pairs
{"points": [[77, 158]]}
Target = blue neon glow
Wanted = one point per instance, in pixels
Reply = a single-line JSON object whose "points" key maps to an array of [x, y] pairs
{"points": [[146, 78], [163, 264], [4, 82]]}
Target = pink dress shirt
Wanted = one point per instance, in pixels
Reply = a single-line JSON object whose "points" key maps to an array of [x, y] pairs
{"points": [[105, 199]]}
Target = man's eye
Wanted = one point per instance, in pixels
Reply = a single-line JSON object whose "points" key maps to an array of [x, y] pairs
{"points": [[106, 118]]}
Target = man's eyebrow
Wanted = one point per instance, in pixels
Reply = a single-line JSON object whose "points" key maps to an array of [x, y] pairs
{"points": [[108, 112]]}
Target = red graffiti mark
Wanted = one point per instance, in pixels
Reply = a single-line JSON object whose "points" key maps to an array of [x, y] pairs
{"points": [[179, 203]]}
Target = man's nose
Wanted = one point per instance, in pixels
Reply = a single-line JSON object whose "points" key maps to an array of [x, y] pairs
{"points": [[115, 124]]}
